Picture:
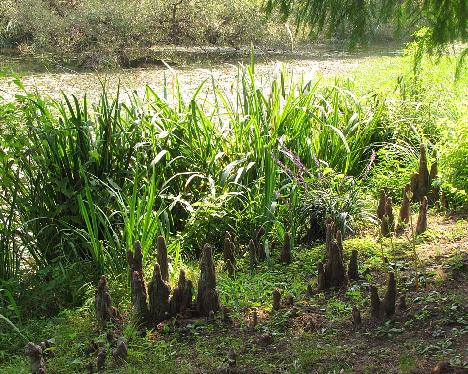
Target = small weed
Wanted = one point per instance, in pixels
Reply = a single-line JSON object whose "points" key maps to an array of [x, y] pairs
{"points": [[442, 348], [337, 309], [388, 329], [408, 363]]}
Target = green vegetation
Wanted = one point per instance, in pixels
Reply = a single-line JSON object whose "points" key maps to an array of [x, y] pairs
{"points": [[96, 178], [360, 20], [304, 339], [92, 33], [83, 180]]}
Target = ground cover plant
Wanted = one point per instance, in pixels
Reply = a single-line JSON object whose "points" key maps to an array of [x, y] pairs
{"points": [[272, 164]]}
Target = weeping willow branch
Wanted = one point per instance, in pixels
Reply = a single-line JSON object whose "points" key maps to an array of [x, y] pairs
{"points": [[357, 19]]}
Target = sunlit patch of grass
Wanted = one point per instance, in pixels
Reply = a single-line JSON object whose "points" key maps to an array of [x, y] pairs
{"points": [[408, 363], [370, 252], [322, 354], [253, 289]]}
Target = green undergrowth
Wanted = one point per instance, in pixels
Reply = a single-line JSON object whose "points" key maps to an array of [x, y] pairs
{"points": [[433, 101], [203, 347]]}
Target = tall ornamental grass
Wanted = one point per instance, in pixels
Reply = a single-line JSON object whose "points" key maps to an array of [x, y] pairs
{"points": [[83, 181]]}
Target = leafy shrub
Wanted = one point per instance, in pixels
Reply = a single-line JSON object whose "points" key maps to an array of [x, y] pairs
{"points": [[457, 199], [336, 197], [454, 157]]}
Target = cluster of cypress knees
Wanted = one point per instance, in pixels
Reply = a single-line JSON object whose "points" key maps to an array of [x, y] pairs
{"points": [[418, 190], [332, 274], [155, 303]]}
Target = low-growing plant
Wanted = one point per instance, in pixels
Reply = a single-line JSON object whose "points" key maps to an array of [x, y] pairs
{"points": [[457, 199], [393, 168], [336, 197], [454, 158]]}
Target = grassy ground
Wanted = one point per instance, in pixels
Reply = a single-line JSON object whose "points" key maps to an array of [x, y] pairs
{"points": [[313, 336]]}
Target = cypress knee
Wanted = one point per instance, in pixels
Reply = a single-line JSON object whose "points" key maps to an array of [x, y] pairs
{"points": [[382, 204], [421, 224], [259, 245], [375, 302], [276, 299], [289, 300], [228, 254], [286, 251], [135, 259], [140, 306], [35, 354], [103, 302], [353, 272], [384, 227], [405, 209], [335, 275], [207, 298], [230, 268], [187, 297], [356, 317], [443, 200], [181, 299], [162, 259], [332, 273], [389, 214], [414, 184], [390, 296], [158, 291], [402, 302], [339, 241], [138, 287], [101, 360], [423, 182], [120, 352], [233, 250]]}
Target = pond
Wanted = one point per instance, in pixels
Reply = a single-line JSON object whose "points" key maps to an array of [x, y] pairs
{"points": [[220, 64]]}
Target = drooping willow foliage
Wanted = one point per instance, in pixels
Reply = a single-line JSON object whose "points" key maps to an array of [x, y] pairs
{"points": [[358, 19]]}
